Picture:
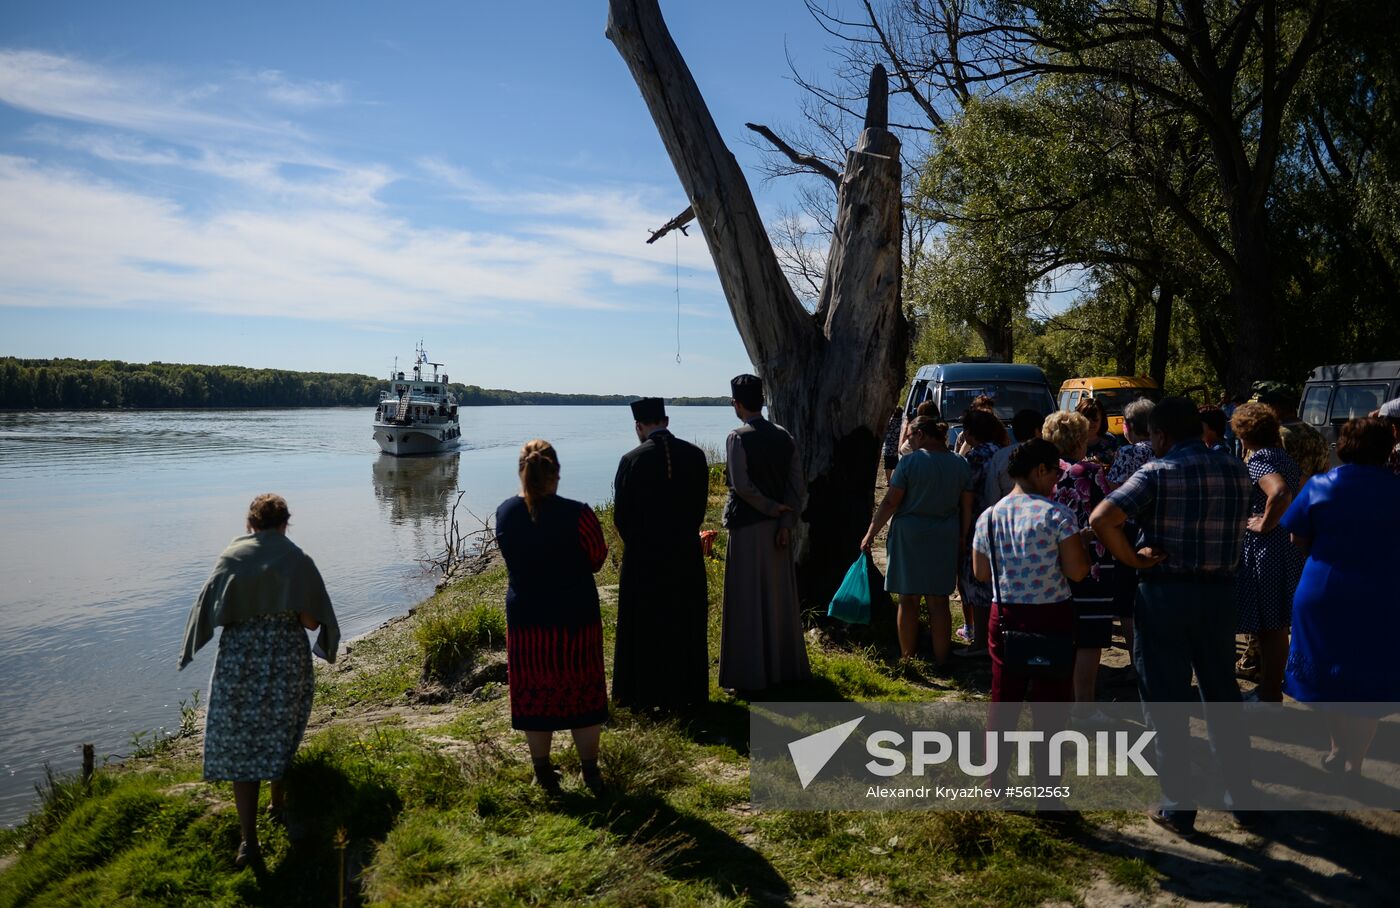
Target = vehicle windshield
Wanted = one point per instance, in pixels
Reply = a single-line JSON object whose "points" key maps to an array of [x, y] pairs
{"points": [[1011, 397], [1114, 400]]}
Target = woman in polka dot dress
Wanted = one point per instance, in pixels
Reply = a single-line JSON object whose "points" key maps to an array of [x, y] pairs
{"points": [[1270, 565]]}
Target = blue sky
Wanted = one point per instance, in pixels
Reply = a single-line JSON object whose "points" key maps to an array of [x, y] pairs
{"points": [[317, 185]]}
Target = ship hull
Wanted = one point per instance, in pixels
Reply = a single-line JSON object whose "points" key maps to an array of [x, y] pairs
{"points": [[408, 440]]}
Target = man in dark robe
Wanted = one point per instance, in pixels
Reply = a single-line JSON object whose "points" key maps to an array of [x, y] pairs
{"points": [[660, 494], [762, 642]]}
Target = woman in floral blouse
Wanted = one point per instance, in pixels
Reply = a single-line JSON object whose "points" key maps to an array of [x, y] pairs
{"points": [[1082, 485]]}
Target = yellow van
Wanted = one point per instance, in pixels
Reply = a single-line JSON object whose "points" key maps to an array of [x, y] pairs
{"points": [[1113, 392]]}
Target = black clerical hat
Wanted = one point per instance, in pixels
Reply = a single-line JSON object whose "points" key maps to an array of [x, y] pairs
{"points": [[747, 390], [649, 410]]}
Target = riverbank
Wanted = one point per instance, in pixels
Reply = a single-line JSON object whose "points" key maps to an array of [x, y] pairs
{"points": [[411, 779]]}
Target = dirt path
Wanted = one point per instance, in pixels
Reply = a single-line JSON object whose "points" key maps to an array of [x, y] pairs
{"points": [[1294, 859]]}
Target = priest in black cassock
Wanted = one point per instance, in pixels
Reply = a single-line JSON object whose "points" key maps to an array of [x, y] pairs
{"points": [[660, 494]]}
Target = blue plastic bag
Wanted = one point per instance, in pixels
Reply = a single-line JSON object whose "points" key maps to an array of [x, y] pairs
{"points": [[852, 600]]}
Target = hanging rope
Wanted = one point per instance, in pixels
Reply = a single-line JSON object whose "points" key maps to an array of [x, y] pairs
{"points": [[678, 299]]}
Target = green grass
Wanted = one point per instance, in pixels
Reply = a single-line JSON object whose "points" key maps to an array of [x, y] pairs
{"points": [[451, 637], [436, 807], [379, 668], [1134, 874]]}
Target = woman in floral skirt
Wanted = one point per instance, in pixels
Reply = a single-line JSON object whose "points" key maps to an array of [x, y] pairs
{"points": [[265, 593]]}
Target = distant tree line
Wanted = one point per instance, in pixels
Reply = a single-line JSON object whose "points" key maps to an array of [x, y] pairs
{"points": [[81, 384], [475, 396]]}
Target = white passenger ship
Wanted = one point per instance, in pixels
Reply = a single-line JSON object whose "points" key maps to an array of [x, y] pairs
{"points": [[417, 415]]}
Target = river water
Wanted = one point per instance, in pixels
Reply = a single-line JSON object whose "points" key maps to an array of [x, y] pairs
{"points": [[112, 521]]}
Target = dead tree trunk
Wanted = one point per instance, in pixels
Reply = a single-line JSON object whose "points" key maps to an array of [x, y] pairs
{"points": [[831, 377]]}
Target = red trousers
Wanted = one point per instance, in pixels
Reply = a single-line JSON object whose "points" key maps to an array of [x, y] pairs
{"points": [[1050, 699], [1009, 685]]}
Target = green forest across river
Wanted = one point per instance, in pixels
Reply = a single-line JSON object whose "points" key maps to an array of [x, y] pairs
{"points": [[83, 384]]}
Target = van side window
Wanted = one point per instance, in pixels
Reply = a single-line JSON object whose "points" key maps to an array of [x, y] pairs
{"points": [[1357, 400], [916, 397], [1314, 411]]}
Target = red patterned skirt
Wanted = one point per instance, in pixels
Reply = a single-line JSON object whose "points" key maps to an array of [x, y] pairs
{"points": [[556, 677]]}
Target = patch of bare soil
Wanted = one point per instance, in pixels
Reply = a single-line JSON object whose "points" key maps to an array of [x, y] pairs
{"points": [[211, 797], [829, 897], [1291, 858], [484, 678]]}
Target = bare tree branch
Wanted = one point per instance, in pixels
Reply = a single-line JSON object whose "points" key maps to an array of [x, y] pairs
{"points": [[676, 223], [811, 162]]}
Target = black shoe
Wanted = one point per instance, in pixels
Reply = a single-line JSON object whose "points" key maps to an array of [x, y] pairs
{"points": [[1334, 762], [249, 854], [593, 778], [546, 778], [1183, 825]]}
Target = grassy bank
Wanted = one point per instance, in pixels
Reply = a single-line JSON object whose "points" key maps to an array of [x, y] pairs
{"points": [[411, 789]]}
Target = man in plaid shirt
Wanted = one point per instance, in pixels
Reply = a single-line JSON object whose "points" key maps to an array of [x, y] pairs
{"points": [[1191, 506]]}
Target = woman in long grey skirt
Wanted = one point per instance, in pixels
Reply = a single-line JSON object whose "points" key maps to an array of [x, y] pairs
{"points": [[264, 590]]}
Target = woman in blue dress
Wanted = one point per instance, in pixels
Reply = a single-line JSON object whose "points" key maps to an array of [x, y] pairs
{"points": [[929, 492], [1345, 622], [1269, 564]]}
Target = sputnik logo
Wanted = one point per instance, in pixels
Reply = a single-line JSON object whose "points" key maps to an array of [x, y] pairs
{"points": [[812, 753]]}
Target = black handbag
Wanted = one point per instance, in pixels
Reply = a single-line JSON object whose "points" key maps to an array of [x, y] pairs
{"points": [[1029, 653], [1038, 655]]}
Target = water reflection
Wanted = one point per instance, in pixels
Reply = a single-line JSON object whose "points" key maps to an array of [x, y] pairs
{"points": [[415, 491]]}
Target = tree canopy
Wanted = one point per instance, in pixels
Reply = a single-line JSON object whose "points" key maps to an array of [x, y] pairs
{"points": [[1214, 179]]}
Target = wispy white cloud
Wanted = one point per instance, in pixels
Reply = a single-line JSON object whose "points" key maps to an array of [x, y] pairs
{"points": [[453, 178], [235, 130], [605, 220], [309, 233], [139, 100], [301, 94], [74, 240], [293, 174]]}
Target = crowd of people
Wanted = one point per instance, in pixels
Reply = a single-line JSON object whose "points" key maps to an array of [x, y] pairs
{"points": [[1202, 525]]}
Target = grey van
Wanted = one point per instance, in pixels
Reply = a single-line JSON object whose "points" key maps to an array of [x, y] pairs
{"points": [[1335, 394], [954, 386]]}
